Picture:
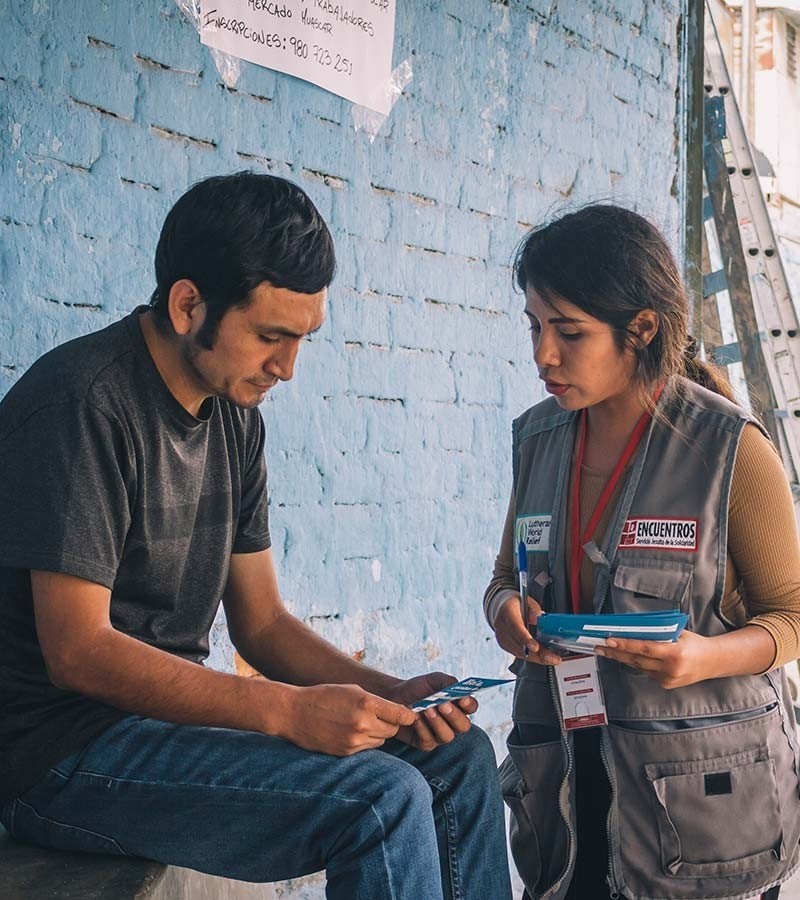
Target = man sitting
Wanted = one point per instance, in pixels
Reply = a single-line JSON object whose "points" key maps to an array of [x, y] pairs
{"points": [[132, 501]]}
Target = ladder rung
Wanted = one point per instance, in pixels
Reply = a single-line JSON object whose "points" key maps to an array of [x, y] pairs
{"points": [[765, 317], [715, 118], [714, 282], [726, 354]]}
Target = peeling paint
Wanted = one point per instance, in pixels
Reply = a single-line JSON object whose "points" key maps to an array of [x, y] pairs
{"points": [[432, 651], [16, 136], [505, 25]]}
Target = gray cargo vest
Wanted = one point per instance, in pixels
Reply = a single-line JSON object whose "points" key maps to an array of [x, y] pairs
{"points": [[704, 779]]}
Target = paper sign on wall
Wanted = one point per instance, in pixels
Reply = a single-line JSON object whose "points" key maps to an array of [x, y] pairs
{"points": [[345, 48]]}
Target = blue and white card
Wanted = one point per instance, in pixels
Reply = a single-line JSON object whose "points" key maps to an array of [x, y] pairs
{"points": [[457, 691]]}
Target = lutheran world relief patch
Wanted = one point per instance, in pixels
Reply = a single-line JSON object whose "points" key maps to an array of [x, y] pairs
{"points": [[660, 534], [534, 532]]}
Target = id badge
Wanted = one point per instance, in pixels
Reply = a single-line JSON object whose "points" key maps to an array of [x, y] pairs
{"points": [[582, 704]]}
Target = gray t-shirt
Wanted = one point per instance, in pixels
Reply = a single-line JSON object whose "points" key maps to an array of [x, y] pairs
{"points": [[105, 476]]}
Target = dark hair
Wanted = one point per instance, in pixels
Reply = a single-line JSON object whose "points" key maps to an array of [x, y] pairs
{"points": [[612, 263], [230, 233]]}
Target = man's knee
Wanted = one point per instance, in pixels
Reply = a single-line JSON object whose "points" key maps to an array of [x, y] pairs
{"points": [[472, 750], [469, 760], [394, 799], [480, 747], [402, 788]]}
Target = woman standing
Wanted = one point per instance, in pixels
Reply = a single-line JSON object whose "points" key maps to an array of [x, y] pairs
{"points": [[641, 486]]}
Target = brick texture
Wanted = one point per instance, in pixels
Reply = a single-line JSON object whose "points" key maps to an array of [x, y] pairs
{"points": [[392, 443]]}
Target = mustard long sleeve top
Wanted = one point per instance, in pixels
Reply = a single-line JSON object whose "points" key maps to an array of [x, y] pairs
{"points": [[762, 574]]}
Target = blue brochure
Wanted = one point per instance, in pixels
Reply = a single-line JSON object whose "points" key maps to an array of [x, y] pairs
{"points": [[582, 633]]}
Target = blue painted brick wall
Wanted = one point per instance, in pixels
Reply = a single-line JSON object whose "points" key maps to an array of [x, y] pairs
{"points": [[389, 453]]}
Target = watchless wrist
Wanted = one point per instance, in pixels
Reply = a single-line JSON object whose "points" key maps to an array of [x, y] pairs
{"points": [[277, 704]]}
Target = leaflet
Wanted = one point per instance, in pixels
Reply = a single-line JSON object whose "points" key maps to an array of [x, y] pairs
{"points": [[457, 691], [582, 633]]}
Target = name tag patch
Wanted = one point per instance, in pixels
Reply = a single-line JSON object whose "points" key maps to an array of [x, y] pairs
{"points": [[533, 531], [580, 693], [663, 534]]}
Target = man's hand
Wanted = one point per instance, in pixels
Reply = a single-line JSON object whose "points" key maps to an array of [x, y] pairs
{"points": [[341, 719], [672, 664], [439, 724], [513, 635]]}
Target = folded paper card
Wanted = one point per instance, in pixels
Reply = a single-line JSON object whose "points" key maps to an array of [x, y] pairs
{"points": [[457, 691]]}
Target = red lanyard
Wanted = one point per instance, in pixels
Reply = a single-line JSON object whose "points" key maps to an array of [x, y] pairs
{"points": [[578, 541]]}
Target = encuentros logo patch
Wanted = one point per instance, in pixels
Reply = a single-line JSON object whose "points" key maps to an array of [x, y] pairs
{"points": [[533, 531], [664, 534]]}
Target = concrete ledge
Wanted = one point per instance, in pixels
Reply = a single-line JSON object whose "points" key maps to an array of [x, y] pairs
{"points": [[186, 884], [30, 873]]}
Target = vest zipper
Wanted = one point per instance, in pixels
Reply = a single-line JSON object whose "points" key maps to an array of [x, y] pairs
{"points": [[611, 878], [565, 814]]}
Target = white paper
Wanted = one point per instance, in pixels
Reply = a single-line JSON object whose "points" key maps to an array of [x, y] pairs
{"points": [[345, 48], [639, 629]]}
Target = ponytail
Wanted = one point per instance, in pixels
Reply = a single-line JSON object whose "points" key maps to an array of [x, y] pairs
{"points": [[705, 372]]}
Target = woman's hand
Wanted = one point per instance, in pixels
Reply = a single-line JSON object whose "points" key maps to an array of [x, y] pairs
{"points": [[686, 661], [513, 635]]}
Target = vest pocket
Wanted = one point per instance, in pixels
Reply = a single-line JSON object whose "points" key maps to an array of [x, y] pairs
{"points": [[652, 585], [531, 778], [705, 812], [693, 800]]}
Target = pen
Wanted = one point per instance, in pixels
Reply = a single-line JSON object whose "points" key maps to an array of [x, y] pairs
{"points": [[522, 565]]}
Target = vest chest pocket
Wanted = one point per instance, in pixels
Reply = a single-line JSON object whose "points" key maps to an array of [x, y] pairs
{"points": [[652, 585], [739, 790]]}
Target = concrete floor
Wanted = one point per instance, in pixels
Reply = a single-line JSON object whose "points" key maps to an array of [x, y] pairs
{"points": [[791, 890]]}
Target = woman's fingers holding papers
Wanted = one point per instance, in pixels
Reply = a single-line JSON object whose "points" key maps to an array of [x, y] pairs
{"points": [[532, 613], [510, 629], [671, 663], [514, 636]]}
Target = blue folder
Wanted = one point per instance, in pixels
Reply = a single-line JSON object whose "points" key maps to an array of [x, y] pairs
{"points": [[582, 633]]}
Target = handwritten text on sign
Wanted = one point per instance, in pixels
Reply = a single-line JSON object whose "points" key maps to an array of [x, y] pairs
{"points": [[345, 48]]}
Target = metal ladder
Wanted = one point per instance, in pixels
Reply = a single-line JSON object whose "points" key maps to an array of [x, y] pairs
{"points": [[764, 315]]}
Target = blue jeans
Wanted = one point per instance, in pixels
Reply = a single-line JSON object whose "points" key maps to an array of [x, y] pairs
{"points": [[389, 824]]}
